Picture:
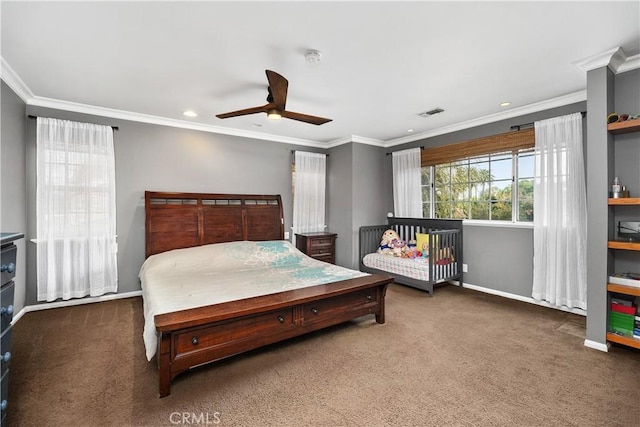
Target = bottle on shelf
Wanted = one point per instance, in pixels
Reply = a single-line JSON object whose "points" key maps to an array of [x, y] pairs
{"points": [[616, 187], [618, 190]]}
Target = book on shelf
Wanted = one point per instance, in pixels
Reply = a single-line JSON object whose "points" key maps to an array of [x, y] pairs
{"points": [[622, 301], [621, 323], [628, 279], [621, 308]]}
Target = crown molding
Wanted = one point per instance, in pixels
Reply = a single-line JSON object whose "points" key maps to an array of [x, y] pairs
{"points": [[492, 118], [368, 141], [16, 84], [632, 63], [356, 139], [39, 101], [614, 58]]}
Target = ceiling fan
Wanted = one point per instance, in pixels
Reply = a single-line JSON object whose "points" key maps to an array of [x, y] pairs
{"points": [[277, 100]]}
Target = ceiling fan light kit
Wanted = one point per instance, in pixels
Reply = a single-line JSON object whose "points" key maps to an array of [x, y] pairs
{"points": [[274, 114], [277, 100]]}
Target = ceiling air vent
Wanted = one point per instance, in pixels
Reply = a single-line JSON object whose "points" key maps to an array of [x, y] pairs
{"points": [[431, 112]]}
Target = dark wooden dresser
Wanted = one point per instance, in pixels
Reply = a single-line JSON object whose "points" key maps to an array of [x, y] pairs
{"points": [[321, 246], [8, 257]]}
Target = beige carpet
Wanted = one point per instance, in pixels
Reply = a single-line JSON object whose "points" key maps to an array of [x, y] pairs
{"points": [[461, 358]]}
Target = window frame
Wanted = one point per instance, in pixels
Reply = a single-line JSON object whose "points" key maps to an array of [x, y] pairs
{"points": [[514, 144]]}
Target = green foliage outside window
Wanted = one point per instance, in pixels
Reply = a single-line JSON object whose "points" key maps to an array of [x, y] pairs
{"points": [[480, 188]]}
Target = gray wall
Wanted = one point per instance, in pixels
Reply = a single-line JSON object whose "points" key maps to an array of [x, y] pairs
{"points": [[154, 157], [340, 200], [599, 175], [498, 258], [369, 192], [13, 199], [357, 196]]}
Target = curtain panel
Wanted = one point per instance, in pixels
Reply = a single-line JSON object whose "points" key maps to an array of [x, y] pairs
{"points": [[407, 181], [309, 198], [75, 210], [560, 207]]}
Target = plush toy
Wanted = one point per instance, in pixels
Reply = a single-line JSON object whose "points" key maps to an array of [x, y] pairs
{"points": [[398, 247], [386, 247], [411, 253]]}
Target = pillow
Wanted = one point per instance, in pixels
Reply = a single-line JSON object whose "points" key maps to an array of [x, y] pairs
{"points": [[422, 242]]}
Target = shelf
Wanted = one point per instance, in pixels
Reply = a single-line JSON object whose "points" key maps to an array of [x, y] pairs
{"points": [[624, 201], [621, 339], [623, 289], [629, 246], [627, 126]]}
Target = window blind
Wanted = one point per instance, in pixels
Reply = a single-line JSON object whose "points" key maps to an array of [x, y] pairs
{"points": [[510, 141]]}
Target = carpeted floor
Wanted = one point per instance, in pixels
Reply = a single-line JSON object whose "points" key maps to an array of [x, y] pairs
{"points": [[461, 358]]}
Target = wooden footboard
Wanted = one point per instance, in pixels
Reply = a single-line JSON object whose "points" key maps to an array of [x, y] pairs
{"points": [[193, 337]]}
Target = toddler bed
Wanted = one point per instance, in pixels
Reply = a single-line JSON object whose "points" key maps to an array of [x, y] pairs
{"points": [[435, 258]]}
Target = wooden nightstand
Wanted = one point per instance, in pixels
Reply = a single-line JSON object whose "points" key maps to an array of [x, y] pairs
{"points": [[321, 246]]}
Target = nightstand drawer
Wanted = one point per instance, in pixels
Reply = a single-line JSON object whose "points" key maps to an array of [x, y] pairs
{"points": [[316, 252], [318, 242]]}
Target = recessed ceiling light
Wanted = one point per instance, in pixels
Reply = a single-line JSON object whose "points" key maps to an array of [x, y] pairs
{"points": [[256, 125], [505, 104], [190, 113], [409, 130]]}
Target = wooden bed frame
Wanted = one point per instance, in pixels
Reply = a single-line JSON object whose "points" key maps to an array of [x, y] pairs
{"points": [[193, 337]]}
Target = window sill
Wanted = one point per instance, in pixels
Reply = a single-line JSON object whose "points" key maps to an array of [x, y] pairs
{"points": [[501, 224]]}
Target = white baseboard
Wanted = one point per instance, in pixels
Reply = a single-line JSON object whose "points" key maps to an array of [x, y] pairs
{"points": [[587, 343], [597, 345], [523, 299], [69, 303]]}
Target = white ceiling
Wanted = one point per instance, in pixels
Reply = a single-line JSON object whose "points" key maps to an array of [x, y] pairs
{"points": [[382, 62]]}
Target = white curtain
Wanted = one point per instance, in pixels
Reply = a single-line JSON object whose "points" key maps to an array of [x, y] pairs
{"points": [[560, 213], [309, 197], [75, 210], [407, 191]]}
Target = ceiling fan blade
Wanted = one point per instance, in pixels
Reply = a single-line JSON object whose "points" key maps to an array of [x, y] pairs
{"points": [[314, 120], [245, 112], [278, 89]]}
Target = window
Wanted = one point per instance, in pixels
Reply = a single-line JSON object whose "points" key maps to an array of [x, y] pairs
{"points": [[482, 188], [75, 210], [469, 181]]}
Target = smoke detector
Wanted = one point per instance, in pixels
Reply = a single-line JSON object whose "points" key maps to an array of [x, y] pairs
{"points": [[313, 56]]}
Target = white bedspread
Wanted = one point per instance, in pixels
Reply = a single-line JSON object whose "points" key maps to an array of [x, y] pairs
{"points": [[211, 274]]}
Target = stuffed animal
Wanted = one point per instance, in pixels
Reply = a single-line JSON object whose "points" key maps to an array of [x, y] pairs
{"points": [[398, 247], [425, 250], [411, 253], [386, 247]]}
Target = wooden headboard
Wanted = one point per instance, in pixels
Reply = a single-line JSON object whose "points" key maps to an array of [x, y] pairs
{"points": [[182, 220]]}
